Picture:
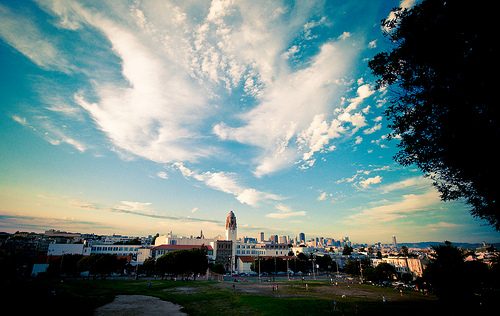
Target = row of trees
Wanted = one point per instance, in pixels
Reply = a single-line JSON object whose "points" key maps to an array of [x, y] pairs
{"points": [[97, 264], [301, 263], [180, 262]]}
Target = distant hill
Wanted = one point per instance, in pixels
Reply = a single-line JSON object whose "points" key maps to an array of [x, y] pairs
{"points": [[462, 245]]}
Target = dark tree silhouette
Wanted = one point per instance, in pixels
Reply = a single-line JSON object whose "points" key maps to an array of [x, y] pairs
{"points": [[443, 105], [183, 262], [458, 284], [102, 264]]}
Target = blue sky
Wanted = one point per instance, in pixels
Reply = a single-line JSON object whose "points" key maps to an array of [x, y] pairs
{"points": [[146, 117]]}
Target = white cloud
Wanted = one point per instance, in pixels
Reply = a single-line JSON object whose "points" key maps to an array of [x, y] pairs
{"points": [[441, 225], [162, 174], [414, 183], [227, 183], [133, 206], [363, 92], [373, 129], [20, 120], [390, 211], [24, 35], [345, 35], [318, 135], [405, 4], [291, 52], [366, 183], [57, 136], [141, 114], [322, 196], [289, 105], [285, 212]]}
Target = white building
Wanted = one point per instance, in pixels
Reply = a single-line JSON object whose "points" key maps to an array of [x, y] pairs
{"points": [[118, 250], [261, 249], [413, 266], [69, 249], [55, 251], [169, 240], [155, 252]]}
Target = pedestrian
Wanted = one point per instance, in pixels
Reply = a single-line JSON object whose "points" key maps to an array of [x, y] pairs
{"points": [[307, 287], [149, 285], [401, 292], [383, 299], [335, 305]]}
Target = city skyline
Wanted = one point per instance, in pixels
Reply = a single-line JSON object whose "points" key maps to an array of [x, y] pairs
{"points": [[146, 117]]}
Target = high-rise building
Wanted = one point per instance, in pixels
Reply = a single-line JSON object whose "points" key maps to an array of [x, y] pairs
{"points": [[302, 237], [394, 243], [274, 239], [261, 237]]}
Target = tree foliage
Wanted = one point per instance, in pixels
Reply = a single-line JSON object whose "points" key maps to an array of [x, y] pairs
{"points": [[102, 264], [65, 265], [218, 268], [382, 272], [183, 262], [347, 250], [443, 108], [452, 279]]}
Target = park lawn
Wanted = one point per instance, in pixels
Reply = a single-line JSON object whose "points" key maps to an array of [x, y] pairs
{"points": [[82, 297]]}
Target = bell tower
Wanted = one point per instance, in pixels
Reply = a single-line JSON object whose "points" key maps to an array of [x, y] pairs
{"points": [[231, 232], [232, 235]]}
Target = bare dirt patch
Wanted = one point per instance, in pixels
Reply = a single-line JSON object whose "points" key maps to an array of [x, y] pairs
{"points": [[183, 290], [131, 305]]}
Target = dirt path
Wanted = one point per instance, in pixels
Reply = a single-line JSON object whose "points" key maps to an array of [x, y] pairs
{"points": [[132, 305]]}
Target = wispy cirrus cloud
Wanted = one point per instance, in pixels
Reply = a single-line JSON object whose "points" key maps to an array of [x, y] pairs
{"points": [[227, 182], [25, 35], [390, 211], [285, 212], [154, 91], [38, 223]]}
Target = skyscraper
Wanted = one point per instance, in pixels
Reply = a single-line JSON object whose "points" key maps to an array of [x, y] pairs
{"points": [[302, 237], [261, 237], [394, 244]]}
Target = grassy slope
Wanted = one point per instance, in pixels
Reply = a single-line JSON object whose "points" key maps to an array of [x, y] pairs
{"points": [[81, 297]]}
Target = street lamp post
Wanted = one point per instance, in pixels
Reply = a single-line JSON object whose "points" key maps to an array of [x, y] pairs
{"points": [[287, 269], [259, 266], [314, 263]]}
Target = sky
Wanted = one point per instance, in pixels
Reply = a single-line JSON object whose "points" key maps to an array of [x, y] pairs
{"points": [[144, 117]]}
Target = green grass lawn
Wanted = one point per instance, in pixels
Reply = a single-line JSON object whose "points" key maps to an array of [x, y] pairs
{"points": [[82, 297]]}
